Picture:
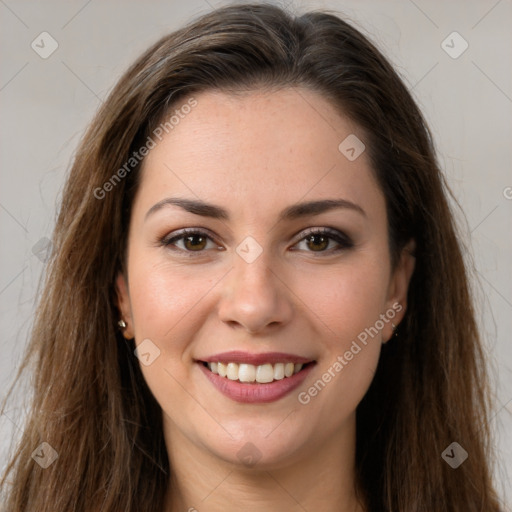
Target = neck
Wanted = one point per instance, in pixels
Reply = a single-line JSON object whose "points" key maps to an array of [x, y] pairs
{"points": [[321, 479]]}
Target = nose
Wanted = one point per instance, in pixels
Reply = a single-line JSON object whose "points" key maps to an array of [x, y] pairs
{"points": [[254, 297]]}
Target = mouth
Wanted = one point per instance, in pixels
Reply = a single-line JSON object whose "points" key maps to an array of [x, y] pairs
{"points": [[264, 379], [252, 374]]}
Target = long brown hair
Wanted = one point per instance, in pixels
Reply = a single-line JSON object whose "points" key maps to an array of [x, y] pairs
{"points": [[90, 401]]}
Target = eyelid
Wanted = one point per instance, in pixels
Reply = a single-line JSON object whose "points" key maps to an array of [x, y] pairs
{"points": [[323, 230], [168, 240], [343, 240]]}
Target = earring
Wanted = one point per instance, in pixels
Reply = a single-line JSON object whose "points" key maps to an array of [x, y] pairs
{"points": [[122, 324], [394, 327]]}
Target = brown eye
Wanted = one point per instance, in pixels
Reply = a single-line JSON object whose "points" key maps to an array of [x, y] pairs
{"points": [[194, 242], [317, 242], [189, 241]]}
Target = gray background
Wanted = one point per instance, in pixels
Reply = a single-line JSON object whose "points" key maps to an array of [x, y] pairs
{"points": [[47, 103]]}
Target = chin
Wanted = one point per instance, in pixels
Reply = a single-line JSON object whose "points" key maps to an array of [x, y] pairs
{"points": [[260, 445]]}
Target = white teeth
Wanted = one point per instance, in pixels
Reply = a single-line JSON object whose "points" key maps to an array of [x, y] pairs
{"points": [[263, 373], [232, 371], [278, 371], [246, 373], [222, 369]]}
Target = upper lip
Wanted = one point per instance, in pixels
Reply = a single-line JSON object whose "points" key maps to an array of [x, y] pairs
{"points": [[238, 356]]}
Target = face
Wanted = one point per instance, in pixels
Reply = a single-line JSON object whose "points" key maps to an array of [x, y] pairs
{"points": [[255, 284]]}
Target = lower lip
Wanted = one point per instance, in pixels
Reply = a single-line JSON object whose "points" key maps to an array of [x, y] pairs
{"points": [[256, 393]]}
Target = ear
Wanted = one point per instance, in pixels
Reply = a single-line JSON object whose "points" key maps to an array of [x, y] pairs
{"points": [[399, 285], [124, 305]]}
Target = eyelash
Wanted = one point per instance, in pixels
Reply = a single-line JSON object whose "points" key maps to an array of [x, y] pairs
{"points": [[342, 239]]}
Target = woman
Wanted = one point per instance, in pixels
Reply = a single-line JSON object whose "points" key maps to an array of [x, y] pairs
{"points": [[257, 298]]}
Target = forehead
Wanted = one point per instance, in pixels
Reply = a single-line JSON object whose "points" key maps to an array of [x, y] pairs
{"points": [[259, 148]]}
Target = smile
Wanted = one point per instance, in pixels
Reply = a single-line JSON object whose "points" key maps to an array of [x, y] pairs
{"points": [[262, 374], [255, 378]]}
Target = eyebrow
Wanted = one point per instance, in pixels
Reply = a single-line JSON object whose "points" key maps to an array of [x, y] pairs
{"points": [[292, 212]]}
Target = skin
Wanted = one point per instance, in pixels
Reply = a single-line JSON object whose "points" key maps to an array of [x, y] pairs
{"points": [[255, 154]]}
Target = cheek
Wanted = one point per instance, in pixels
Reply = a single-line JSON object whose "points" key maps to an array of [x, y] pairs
{"points": [[340, 385], [347, 299], [165, 298], [166, 305], [349, 302]]}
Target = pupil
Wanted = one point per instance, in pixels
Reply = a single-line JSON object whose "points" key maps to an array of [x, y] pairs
{"points": [[322, 237], [193, 237]]}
